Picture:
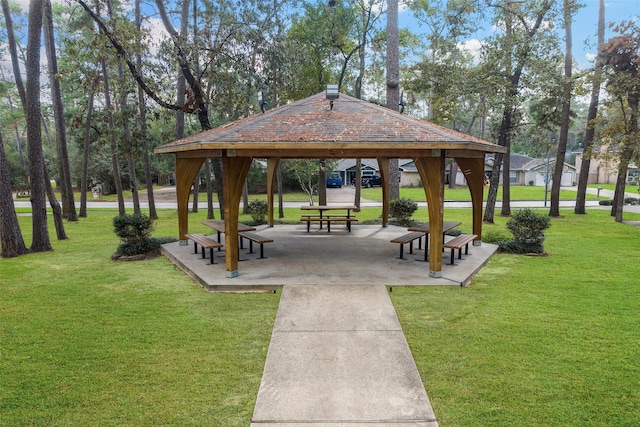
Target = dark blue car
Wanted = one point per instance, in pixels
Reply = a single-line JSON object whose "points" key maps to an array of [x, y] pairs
{"points": [[334, 180]]}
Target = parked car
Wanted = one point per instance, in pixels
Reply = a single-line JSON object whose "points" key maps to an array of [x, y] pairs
{"points": [[371, 181], [334, 180]]}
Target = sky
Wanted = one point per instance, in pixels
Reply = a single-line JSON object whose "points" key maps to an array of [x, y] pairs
{"points": [[584, 28]]}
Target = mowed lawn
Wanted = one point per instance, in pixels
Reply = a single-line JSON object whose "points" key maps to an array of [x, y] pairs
{"points": [[533, 341]]}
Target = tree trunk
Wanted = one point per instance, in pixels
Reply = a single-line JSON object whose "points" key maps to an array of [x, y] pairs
{"points": [[66, 186], [58, 216], [11, 240], [358, 179], [207, 170], [393, 85], [142, 108], [128, 142], [84, 180], [245, 198], [494, 182], [133, 180], [40, 241], [358, 183], [322, 183], [56, 210], [279, 185], [589, 132], [196, 192], [16, 132], [554, 211], [115, 166], [13, 50]]}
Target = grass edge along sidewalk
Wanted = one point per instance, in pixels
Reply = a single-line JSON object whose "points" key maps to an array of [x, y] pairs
{"points": [[533, 340]]}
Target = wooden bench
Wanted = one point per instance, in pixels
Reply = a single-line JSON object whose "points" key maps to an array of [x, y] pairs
{"points": [[457, 243], [408, 238], [205, 242], [253, 237], [328, 219]]}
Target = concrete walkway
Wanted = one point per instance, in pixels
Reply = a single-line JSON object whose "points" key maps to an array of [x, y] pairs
{"points": [[338, 356]]}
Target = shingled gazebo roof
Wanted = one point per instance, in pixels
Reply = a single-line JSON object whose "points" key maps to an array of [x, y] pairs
{"points": [[351, 126], [309, 128]]}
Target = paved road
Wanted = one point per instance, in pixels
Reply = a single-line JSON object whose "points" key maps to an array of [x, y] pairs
{"points": [[165, 199]]}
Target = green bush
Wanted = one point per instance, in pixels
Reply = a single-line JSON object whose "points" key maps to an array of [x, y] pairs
{"points": [[495, 236], [258, 209], [401, 209], [134, 232], [454, 232], [527, 228]]}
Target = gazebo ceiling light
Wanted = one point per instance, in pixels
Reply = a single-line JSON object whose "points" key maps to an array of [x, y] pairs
{"points": [[332, 94]]}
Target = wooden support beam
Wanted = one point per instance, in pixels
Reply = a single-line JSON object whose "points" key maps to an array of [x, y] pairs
{"points": [[473, 170], [186, 171], [234, 172], [383, 166], [431, 171], [272, 173]]}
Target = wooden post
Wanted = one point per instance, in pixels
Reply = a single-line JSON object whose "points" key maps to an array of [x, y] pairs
{"points": [[383, 165], [272, 172], [473, 170], [431, 171], [234, 172], [186, 171]]}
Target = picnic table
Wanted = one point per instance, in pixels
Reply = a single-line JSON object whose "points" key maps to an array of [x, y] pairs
{"points": [[320, 217], [219, 227], [425, 228]]}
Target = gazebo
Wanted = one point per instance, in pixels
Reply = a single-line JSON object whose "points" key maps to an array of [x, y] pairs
{"points": [[315, 127]]}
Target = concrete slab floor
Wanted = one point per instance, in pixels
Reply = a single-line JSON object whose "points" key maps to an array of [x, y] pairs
{"points": [[363, 257]]}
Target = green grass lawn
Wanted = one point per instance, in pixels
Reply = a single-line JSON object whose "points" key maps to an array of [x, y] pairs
{"points": [[460, 194], [629, 188], [533, 341]]}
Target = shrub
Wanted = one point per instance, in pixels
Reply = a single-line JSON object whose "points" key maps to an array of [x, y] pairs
{"points": [[401, 209], [258, 210], [134, 231], [495, 236], [527, 228], [454, 232]]}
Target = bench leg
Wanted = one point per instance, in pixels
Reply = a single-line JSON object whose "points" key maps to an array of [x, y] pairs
{"points": [[219, 249], [203, 253], [250, 246], [211, 255], [401, 251], [328, 226], [262, 251], [453, 251], [466, 249], [195, 248], [419, 242], [411, 247], [308, 226]]}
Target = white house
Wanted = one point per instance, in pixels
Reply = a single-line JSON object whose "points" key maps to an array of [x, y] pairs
{"points": [[606, 172], [523, 170]]}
